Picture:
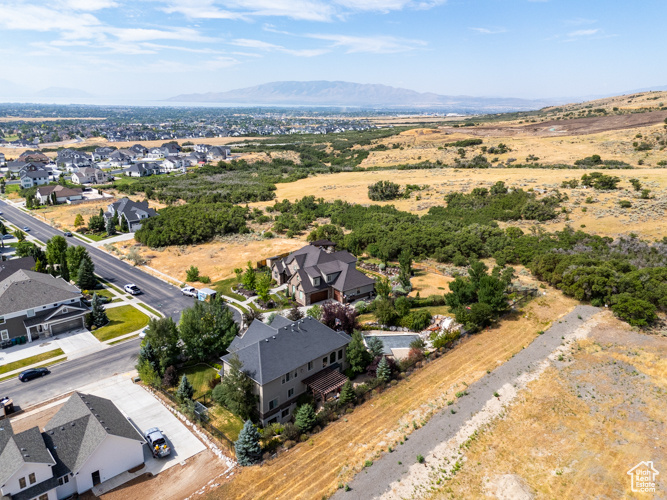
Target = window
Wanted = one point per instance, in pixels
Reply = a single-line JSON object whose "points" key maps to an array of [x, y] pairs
{"points": [[22, 482], [63, 480], [332, 358], [4, 334], [324, 361], [340, 354], [328, 278], [286, 377], [284, 413], [45, 496], [290, 393], [300, 294], [273, 404], [2, 320], [310, 364], [296, 374], [31, 313], [32, 478]]}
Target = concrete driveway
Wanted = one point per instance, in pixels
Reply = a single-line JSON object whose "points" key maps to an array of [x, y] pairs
{"points": [[79, 343]]}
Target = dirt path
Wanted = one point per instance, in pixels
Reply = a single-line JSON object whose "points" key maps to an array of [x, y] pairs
{"points": [[384, 478]]}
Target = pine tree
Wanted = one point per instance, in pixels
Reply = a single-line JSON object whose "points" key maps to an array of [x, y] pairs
{"points": [[185, 389], [248, 449], [98, 312], [110, 227], [235, 390], [356, 354], [375, 346], [64, 270], [383, 370], [85, 279], [347, 394], [78, 220], [123, 225], [305, 418]]}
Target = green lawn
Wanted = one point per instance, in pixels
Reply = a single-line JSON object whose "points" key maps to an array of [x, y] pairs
{"points": [[199, 376], [103, 292], [114, 342], [12, 188], [122, 320], [30, 361], [226, 422], [224, 287], [111, 286]]}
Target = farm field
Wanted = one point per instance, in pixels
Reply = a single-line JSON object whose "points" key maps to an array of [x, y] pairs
{"points": [[315, 468], [577, 430]]}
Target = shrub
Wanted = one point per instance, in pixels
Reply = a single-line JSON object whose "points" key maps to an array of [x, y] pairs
{"points": [[625, 204], [305, 418], [290, 431], [289, 444], [170, 377], [420, 459]]}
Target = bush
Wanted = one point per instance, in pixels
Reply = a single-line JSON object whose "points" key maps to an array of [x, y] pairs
{"points": [[289, 444], [170, 377], [384, 190], [625, 204], [290, 431]]}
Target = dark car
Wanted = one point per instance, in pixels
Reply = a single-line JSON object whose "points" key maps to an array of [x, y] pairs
{"points": [[33, 373], [68, 234]]}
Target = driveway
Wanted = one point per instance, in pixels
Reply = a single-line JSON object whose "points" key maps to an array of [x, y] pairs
{"points": [[79, 344], [144, 411]]}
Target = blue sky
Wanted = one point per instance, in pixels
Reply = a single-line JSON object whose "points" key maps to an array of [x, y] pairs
{"points": [[160, 48]]}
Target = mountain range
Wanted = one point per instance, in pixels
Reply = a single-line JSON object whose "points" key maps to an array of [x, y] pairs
{"points": [[327, 93]]}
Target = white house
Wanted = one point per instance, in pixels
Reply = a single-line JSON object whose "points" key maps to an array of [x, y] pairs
{"points": [[88, 441], [134, 212], [31, 178], [89, 175], [173, 163], [63, 194], [155, 153]]}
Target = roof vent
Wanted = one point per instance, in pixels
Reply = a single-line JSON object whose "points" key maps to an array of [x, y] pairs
{"points": [[51, 433], [274, 336], [107, 428], [72, 424], [23, 449], [266, 340], [62, 428]]}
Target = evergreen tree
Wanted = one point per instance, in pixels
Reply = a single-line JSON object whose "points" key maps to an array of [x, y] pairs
{"points": [[357, 355], [98, 312], [78, 220], [263, 286], [64, 270], [383, 370], [305, 418], [185, 390], [235, 390], [347, 394], [375, 346], [247, 447], [249, 277], [86, 277], [39, 267], [110, 227], [123, 225]]}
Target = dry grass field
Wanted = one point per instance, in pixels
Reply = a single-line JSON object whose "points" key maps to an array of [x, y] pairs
{"points": [[315, 468], [577, 430]]}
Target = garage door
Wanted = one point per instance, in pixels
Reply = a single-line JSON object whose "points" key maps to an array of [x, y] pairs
{"points": [[318, 296], [66, 326]]}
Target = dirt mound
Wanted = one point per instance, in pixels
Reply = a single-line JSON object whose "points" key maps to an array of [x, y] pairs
{"points": [[579, 126]]}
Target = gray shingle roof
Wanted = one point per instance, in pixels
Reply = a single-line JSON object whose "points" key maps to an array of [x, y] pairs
{"points": [[132, 209], [9, 267], [79, 427], [29, 289], [286, 349], [18, 449]]}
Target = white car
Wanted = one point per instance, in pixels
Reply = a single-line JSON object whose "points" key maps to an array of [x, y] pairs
{"points": [[190, 291], [132, 289]]}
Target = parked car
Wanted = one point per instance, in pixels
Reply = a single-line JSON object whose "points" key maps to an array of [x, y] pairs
{"points": [[7, 236], [68, 234], [142, 333], [26, 228], [33, 373], [157, 443], [132, 289], [190, 291]]}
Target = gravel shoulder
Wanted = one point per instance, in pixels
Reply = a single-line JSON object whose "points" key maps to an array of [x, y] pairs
{"points": [[383, 477]]}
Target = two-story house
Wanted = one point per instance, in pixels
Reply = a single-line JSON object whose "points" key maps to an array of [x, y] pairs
{"points": [[143, 169], [89, 175], [173, 164], [102, 153], [286, 359], [34, 305], [34, 177], [88, 441], [315, 273], [134, 212]]}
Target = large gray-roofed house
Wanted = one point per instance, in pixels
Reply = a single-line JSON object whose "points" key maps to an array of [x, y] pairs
{"points": [[134, 212], [9, 267], [315, 273], [35, 304], [281, 357], [86, 442]]}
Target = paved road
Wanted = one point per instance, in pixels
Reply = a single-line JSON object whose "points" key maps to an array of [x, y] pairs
{"points": [[66, 377], [158, 294]]}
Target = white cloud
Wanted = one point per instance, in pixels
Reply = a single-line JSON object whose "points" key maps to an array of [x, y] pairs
{"points": [[579, 21], [90, 5], [489, 31], [578, 33], [387, 5], [270, 47], [371, 44]]}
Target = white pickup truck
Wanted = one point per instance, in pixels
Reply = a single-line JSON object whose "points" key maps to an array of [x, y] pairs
{"points": [[190, 291], [157, 443]]}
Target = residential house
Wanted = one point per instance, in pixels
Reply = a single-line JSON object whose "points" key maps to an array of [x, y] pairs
{"points": [[88, 441], [3, 160], [102, 153], [89, 175], [155, 153], [34, 157], [134, 212], [74, 163], [196, 158], [15, 166], [171, 149], [316, 272], [142, 169], [34, 177], [63, 194], [202, 148], [35, 304], [138, 151], [9, 267], [286, 359], [119, 159], [217, 153], [173, 164]]}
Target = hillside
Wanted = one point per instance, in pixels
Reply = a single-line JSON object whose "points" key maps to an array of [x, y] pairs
{"points": [[326, 93]]}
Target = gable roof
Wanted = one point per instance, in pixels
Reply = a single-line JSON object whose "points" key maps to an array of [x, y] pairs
{"points": [[59, 190], [271, 352], [80, 426], [9, 267], [16, 450], [132, 210], [29, 289]]}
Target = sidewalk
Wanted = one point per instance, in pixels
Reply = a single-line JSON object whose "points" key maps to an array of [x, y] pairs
{"points": [[111, 241]]}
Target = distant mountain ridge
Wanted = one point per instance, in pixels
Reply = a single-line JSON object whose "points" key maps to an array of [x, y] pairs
{"points": [[337, 93]]}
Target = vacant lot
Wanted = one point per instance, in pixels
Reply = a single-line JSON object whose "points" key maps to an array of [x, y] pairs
{"points": [[315, 468], [577, 430]]}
